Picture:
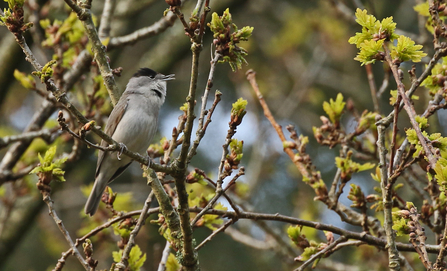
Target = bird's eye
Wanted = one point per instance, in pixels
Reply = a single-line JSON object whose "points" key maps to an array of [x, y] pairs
{"points": [[152, 76]]}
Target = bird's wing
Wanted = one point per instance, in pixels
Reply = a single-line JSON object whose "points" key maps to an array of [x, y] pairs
{"points": [[115, 117]]}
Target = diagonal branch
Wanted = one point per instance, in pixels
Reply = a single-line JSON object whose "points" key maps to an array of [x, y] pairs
{"points": [[123, 264], [85, 16]]}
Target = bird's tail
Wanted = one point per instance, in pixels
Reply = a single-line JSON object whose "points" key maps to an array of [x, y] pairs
{"points": [[95, 196]]}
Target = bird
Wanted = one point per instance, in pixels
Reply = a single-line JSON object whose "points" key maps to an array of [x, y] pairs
{"points": [[132, 123]]}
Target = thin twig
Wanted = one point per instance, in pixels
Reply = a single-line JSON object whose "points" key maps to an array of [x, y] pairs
{"points": [[418, 237], [344, 212], [164, 257], [211, 236], [45, 134], [122, 265], [372, 87], [61, 226], [321, 253], [201, 128], [106, 19], [442, 252], [146, 32], [394, 136]]}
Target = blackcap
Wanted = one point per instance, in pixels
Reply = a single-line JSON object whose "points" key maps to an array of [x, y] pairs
{"points": [[133, 122]]}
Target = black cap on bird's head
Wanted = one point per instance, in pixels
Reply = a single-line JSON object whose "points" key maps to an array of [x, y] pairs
{"points": [[153, 74], [145, 72]]}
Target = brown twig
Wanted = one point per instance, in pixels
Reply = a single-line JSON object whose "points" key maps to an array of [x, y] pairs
{"points": [[122, 265], [201, 128], [372, 87], [251, 76], [45, 191], [440, 264], [211, 236], [410, 110], [417, 238], [329, 248]]}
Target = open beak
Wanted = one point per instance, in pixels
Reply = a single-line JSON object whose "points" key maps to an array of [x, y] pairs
{"points": [[167, 77]]}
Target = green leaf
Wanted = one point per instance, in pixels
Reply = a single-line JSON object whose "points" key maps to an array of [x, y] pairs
{"points": [[367, 120], [334, 109], [117, 256], [136, 258], [356, 196], [172, 264], [365, 20], [423, 9], [406, 50], [308, 252], [412, 136], [348, 167], [216, 24], [389, 27], [48, 166], [238, 108], [27, 81], [370, 51], [401, 226], [441, 173], [423, 122]]}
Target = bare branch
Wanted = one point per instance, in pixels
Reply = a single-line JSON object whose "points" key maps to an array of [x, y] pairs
{"points": [[123, 264]]}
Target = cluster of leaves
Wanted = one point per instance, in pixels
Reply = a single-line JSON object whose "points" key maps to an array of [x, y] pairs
{"points": [[236, 152], [441, 174], [26, 80], [48, 169], [377, 198], [435, 81], [46, 71], [375, 33], [400, 222], [310, 248], [69, 32], [13, 17], [329, 133], [423, 9], [212, 222], [295, 234], [357, 197], [436, 139], [334, 109], [395, 94], [238, 112], [348, 167], [136, 258], [226, 39], [195, 177], [366, 121]]}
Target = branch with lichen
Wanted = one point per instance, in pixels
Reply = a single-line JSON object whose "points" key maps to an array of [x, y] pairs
{"points": [[84, 14], [393, 254]]}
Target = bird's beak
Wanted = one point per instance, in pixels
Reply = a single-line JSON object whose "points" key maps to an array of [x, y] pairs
{"points": [[167, 77]]}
